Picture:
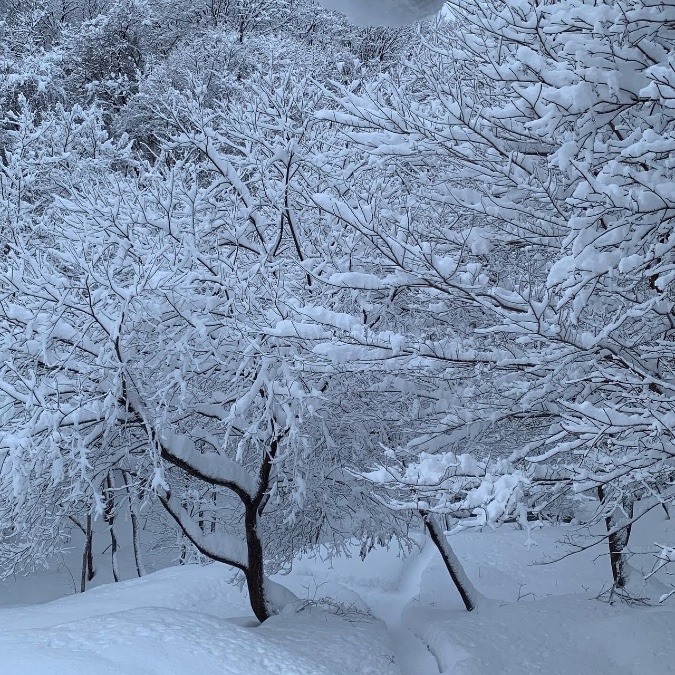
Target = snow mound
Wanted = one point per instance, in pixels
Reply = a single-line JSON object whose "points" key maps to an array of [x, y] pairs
{"points": [[185, 620], [345, 644], [151, 641], [563, 635], [189, 588]]}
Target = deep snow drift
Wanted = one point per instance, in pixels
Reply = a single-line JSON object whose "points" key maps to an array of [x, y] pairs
{"points": [[185, 620], [540, 618]]}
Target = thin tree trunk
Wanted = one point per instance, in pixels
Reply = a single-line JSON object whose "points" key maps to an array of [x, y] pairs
{"points": [[109, 517], [87, 555], [618, 538], [214, 499], [183, 555], [468, 592], [83, 578], [135, 530], [91, 572]]}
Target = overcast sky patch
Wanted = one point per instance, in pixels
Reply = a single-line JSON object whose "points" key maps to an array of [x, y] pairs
{"points": [[385, 12]]}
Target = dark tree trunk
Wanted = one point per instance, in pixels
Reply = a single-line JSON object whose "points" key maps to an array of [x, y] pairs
{"points": [[469, 594], [87, 555], [135, 530], [214, 499], [618, 538], [253, 566], [109, 517], [90, 548], [255, 571], [83, 578]]}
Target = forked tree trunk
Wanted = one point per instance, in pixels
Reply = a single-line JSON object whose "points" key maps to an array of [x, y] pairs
{"points": [[618, 538], [252, 565], [468, 592]]}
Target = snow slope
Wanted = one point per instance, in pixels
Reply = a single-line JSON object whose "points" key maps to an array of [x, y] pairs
{"points": [[185, 620], [541, 617], [561, 635]]}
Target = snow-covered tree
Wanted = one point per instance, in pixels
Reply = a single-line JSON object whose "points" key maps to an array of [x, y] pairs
{"points": [[155, 336], [515, 178]]}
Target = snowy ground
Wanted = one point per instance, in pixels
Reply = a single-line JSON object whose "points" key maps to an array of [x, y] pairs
{"points": [[184, 620], [541, 618]]}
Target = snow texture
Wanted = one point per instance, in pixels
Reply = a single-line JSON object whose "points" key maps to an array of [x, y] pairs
{"points": [[382, 615], [183, 620]]}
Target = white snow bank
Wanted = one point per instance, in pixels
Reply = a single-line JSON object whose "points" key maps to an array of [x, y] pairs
{"points": [[343, 645], [562, 635], [185, 620], [150, 641], [381, 571], [543, 618], [193, 620], [188, 588]]}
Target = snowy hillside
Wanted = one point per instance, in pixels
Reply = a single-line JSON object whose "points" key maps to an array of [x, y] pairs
{"points": [[384, 615]]}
